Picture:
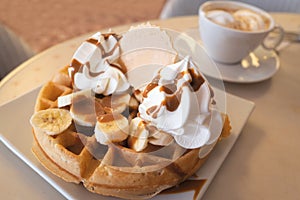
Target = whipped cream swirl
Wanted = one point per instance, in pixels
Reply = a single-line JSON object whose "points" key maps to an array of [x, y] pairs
{"points": [[179, 101], [92, 66]]}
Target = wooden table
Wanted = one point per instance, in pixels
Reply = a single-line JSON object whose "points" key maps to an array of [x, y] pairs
{"points": [[263, 164]]}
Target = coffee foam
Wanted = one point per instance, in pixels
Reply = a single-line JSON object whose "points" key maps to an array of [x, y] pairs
{"points": [[238, 18]]}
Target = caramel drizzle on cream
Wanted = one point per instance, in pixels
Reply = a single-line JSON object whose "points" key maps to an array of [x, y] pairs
{"points": [[76, 66], [173, 94]]}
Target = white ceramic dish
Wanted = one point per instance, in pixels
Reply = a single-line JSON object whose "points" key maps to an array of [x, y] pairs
{"points": [[19, 140]]}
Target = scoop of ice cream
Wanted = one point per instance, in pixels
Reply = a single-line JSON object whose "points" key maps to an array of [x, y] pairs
{"points": [[220, 17], [249, 20], [178, 102], [92, 65]]}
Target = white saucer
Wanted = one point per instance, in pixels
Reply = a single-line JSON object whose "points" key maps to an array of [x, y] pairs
{"points": [[258, 66]]}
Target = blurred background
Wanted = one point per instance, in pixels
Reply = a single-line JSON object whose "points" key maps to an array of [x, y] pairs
{"points": [[28, 27], [42, 24]]}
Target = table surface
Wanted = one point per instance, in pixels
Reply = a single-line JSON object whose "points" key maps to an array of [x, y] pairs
{"points": [[263, 164]]}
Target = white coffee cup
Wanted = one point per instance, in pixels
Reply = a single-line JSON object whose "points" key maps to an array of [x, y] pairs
{"points": [[230, 45]]}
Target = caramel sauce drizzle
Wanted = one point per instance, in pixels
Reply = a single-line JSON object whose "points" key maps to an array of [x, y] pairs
{"points": [[169, 88], [122, 68], [73, 68], [149, 87], [172, 102], [138, 133], [76, 66], [154, 110], [186, 186], [197, 80], [92, 41], [109, 118], [173, 97], [83, 105], [137, 92], [92, 74], [100, 46], [151, 109]]}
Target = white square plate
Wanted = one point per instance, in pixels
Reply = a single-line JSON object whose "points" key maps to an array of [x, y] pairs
{"points": [[19, 142]]}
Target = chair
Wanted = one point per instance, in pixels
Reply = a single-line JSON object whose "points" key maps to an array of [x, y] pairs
{"points": [[13, 51], [173, 8]]}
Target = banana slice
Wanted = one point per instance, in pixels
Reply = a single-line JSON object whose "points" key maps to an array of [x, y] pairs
{"points": [[160, 138], [138, 95], [111, 128], [133, 108], [116, 103], [68, 99], [133, 103], [52, 121], [84, 110], [138, 139]]}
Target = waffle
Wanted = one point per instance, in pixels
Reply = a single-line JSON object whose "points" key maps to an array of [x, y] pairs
{"points": [[77, 157], [114, 169]]}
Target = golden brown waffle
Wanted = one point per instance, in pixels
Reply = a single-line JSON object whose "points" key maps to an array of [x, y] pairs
{"points": [[111, 170]]}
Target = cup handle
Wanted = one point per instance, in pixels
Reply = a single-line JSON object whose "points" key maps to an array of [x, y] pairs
{"points": [[274, 38]]}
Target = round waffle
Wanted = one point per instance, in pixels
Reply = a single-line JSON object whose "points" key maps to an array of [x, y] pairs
{"points": [[114, 169], [70, 156]]}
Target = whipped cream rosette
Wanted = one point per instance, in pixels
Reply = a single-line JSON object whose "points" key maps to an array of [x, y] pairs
{"points": [[92, 66], [178, 101], [94, 71]]}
